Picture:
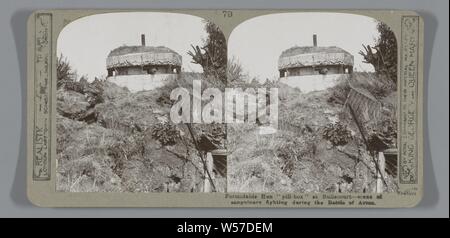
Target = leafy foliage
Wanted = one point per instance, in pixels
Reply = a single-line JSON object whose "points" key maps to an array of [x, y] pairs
{"points": [[64, 71], [295, 149], [337, 134], [384, 58], [212, 56], [165, 133]]}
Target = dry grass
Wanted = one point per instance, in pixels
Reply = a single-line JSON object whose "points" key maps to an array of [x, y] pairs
{"points": [[298, 158], [116, 152]]}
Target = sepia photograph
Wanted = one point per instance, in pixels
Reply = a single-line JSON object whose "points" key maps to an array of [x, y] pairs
{"points": [[335, 131], [115, 76], [222, 109], [225, 108]]}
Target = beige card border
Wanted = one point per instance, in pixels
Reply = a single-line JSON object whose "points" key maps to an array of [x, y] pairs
{"points": [[43, 29]]}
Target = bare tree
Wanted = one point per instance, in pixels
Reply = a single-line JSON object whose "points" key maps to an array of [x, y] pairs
{"points": [[212, 56], [383, 56]]}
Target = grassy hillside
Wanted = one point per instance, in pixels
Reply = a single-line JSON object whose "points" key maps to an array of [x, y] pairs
{"points": [[317, 147], [111, 140]]}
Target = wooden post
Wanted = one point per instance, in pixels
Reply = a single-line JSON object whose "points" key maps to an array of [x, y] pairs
{"points": [[208, 174], [380, 175], [209, 167]]}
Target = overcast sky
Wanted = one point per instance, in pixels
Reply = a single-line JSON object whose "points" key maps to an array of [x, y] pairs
{"points": [[257, 43], [87, 41]]}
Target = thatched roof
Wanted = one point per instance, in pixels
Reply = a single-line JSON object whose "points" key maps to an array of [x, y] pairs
{"points": [[296, 50], [123, 50], [313, 56], [142, 55]]}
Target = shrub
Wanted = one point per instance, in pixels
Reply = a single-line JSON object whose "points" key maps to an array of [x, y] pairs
{"points": [[337, 134], [295, 149], [165, 133], [64, 71]]}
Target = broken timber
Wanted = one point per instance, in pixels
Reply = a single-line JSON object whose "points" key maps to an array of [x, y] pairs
{"points": [[364, 108], [205, 163]]}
